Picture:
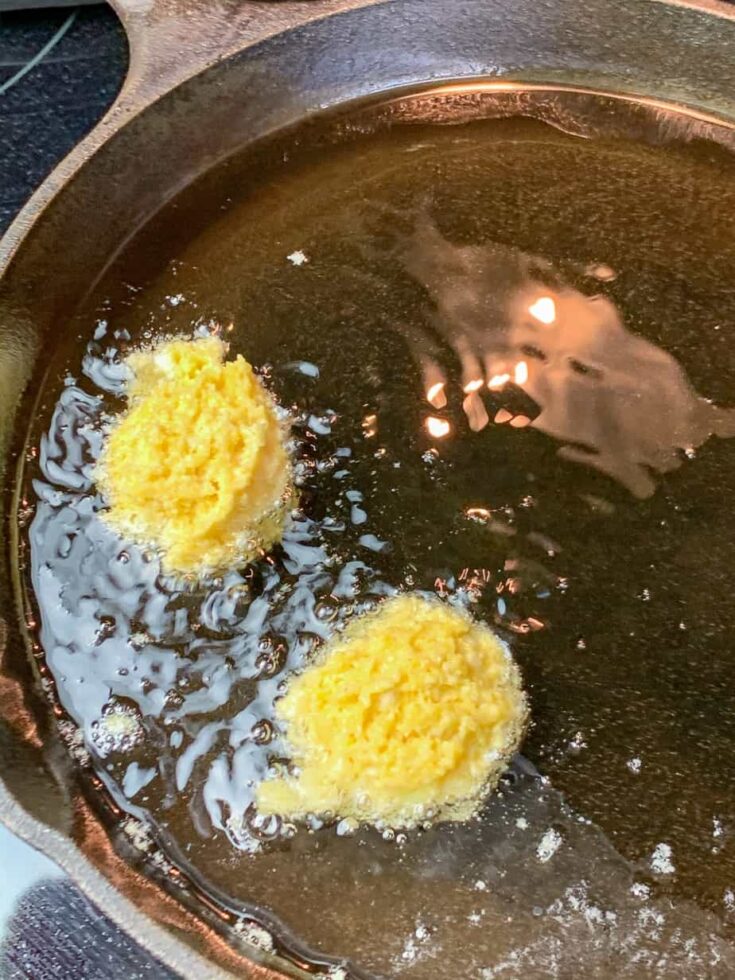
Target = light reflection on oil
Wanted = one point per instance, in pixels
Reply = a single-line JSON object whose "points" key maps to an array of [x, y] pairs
{"points": [[436, 396], [437, 428], [498, 380], [370, 426], [614, 400], [543, 309]]}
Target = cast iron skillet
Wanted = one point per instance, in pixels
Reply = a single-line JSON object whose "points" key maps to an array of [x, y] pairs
{"points": [[206, 79]]}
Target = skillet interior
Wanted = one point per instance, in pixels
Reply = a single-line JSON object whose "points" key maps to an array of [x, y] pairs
{"points": [[27, 303]]}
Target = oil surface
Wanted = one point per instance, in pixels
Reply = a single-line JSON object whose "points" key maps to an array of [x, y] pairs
{"points": [[581, 504]]}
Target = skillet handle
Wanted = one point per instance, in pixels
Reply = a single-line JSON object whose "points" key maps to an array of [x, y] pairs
{"points": [[172, 40]]}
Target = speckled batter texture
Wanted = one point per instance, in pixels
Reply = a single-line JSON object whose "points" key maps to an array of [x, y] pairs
{"points": [[410, 714], [197, 466]]}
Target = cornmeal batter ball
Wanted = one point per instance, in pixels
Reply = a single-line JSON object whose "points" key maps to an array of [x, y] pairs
{"points": [[197, 466], [411, 713]]}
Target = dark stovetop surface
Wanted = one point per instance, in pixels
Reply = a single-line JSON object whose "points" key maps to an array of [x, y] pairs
{"points": [[48, 110], [48, 929]]}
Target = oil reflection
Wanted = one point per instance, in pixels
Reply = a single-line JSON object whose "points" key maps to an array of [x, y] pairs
{"points": [[615, 400], [438, 428]]}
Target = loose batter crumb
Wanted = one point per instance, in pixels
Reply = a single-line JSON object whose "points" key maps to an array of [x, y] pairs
{"points": [[197, 466], [410, 714]]}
